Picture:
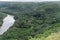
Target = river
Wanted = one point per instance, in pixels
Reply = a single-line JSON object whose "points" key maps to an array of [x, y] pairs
{"points": [[8, 22]]}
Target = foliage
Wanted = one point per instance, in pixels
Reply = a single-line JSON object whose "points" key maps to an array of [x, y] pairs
{"points": [[31, 19]]}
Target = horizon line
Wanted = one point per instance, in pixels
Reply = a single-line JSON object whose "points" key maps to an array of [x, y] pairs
{"points": [[32, 1]]}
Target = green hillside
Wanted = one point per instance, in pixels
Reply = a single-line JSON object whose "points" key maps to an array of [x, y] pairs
{"points": [[34, 21]]}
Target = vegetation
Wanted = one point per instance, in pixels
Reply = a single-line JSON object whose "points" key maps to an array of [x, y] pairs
{"points": [[34, 21]]}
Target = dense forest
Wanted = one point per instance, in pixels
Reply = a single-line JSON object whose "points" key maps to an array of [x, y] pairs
{"points": [[34, 21]]}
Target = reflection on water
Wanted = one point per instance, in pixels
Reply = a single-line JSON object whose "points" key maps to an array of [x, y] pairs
{"points": [[7, 23]]}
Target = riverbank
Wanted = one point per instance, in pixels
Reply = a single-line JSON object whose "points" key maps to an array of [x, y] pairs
{"points": [[7, 23]]}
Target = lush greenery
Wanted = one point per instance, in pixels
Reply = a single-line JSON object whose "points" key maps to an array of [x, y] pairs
{"points": [[34, 21]]}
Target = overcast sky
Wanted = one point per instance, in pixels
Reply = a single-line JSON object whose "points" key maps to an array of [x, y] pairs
{"points": [[30, 0]]}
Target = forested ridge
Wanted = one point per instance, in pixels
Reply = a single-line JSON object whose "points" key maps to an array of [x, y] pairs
{"points": [[34, 21]]}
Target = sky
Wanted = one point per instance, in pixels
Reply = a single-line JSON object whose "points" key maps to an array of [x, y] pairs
{"points": [[30, 0]]}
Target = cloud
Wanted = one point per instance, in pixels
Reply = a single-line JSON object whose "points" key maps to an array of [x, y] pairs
{"points": [[30, 0]]}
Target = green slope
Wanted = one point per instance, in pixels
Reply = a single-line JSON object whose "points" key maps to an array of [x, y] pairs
{"points": [[33, 20], [2, 16]]}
